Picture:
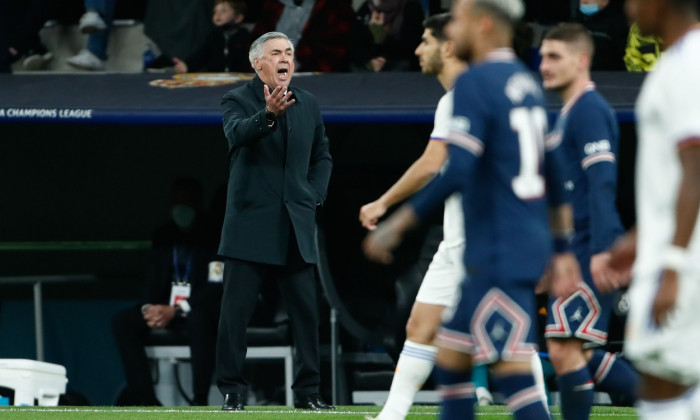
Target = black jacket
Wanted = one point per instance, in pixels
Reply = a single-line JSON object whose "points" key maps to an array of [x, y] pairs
{"points": [[609, 30], [273, 177]]}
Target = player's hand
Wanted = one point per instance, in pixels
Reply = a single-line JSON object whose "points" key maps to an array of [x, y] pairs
{"points": [[566, 275], [605, 278], [180, 66], [666, 297], [371, 213], [545, 283], [622, 256], [278, 100], [159, 316], [381, 241]]}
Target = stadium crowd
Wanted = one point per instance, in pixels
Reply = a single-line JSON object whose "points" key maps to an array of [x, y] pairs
{"points": [[329, 36]]}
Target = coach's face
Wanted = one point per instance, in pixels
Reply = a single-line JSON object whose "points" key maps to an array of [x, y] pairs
{"points": [[560, 64], [276, 66]]}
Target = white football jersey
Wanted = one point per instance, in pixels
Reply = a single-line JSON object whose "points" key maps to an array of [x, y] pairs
{"points": [[668, 113], [453, 220]]}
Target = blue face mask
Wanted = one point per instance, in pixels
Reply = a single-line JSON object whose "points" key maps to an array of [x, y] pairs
{"points": [[589, 9]]}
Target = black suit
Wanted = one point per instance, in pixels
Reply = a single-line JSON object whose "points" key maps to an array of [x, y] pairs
{"points": [[277, 178]]}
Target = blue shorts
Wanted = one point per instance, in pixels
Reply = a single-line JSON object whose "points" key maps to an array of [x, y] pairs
{"points": [[492, 322], [585, 314]]}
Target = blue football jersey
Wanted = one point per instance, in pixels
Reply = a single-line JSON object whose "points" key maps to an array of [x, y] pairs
{"points": [[496, 161], [589, 136]]}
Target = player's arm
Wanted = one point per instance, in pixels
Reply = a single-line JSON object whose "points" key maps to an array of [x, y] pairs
{"points": [[565, 274], [381, 242], [415, 178], [597, 142], [687, 206]]}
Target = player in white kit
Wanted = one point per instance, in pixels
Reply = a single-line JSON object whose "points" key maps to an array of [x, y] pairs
{"points": [[441, 282], [663, 326]]}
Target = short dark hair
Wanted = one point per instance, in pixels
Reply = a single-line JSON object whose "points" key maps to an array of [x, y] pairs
{"points": [[238, 6], [436, 24], [508, 12], [572, 33]]}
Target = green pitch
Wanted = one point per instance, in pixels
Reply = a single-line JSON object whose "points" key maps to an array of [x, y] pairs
{"points": [[255, 413]]}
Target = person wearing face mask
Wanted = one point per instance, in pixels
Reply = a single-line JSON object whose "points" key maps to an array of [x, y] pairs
{"points": [[179, 299], [226, 47], [279, 168], [608, 25]]}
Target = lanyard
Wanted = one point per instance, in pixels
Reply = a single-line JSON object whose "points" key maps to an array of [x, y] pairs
{"points": [[178, 278]]}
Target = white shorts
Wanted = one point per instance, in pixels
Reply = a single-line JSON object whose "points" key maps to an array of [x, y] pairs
{"points": [[669, 352], [440, 285]]}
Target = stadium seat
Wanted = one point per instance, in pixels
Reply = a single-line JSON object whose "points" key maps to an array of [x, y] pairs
{"points": [[169, 349]]}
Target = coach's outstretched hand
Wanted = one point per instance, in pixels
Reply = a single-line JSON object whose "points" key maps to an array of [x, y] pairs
{"points": [[278, 100], [379, 244]]}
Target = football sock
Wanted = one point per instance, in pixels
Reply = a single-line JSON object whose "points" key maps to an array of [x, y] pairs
{"points": [[576, 390], [412, 370], [457, 394], [524, 398], [613, 374]]}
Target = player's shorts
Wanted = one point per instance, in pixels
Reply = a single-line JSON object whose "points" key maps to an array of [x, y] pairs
{"points": [[585, 314], [492, 323], [440, 285], [671, 351]]}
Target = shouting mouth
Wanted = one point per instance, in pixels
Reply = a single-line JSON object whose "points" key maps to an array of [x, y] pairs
{"points": [[283, 73]]}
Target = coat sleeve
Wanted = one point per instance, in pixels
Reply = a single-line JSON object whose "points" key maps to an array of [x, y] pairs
{"points": [[240, 127], [320, 163]]}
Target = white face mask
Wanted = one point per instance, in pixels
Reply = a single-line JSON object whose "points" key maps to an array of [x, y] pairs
{"points": [[183, 215]]}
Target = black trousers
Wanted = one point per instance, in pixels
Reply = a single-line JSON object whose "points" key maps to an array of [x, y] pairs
{"points": [[242, 283], [132, 333]]}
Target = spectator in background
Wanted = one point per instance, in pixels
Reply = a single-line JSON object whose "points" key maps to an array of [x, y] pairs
{"points": [[182, 250], [608, 25], [175, 31], [226, 47], [642, 51], [97, 22], [319, 29], [20, 23], [385, 33]]}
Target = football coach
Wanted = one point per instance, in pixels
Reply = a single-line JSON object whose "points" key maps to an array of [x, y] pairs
{"points": [[279, 167]]}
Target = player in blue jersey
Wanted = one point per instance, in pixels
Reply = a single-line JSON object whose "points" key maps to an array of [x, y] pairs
{"points": [[588, 133], [497, 162]]}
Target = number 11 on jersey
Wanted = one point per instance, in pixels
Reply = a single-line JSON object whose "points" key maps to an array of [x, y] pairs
{"points": [[531, 125]]}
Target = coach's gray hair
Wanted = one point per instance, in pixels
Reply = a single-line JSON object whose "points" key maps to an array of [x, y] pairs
{"points": [[512, 9], [258, 47]]}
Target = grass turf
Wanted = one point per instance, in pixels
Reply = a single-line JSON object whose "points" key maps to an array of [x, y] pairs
{"points": [[255, 413]]}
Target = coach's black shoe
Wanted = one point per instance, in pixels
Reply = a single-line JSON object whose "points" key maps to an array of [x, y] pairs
{"points": [[233, 402], [312, 402]]}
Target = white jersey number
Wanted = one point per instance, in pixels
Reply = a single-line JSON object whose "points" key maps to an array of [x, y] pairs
{"points": [[531, 125]]}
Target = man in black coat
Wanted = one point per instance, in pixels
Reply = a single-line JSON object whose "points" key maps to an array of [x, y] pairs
{"points": [[279, 171]]}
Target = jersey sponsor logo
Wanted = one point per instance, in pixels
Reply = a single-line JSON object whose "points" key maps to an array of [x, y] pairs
{"points": [[597, 147]]}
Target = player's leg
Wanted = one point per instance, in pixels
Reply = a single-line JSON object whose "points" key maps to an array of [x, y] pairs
{"points": [[661, 399], [613, 374], [453, 374], [523, 396], [480, 378], [573, 376], [504, 337], [415, 362]]}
